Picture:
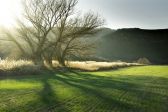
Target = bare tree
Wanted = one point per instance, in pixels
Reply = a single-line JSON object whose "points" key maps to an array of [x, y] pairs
{"points": [[41, 16], [50, 30], [75, 39]]}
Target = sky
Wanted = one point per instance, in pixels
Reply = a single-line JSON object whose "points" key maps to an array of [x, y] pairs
{"points": [[146, 14]]}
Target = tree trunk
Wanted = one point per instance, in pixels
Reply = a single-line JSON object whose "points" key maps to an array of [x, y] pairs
{"points": [[61, 61], [38, 60], [49, 62]]}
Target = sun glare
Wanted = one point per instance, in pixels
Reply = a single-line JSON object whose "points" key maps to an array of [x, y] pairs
{"points": [[9, 10]]}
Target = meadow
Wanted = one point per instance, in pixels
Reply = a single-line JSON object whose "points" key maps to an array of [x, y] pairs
{"points": [[130, 89], [63, 56]]}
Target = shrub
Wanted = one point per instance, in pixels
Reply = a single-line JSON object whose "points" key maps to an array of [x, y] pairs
{"points": [[143, 61]]}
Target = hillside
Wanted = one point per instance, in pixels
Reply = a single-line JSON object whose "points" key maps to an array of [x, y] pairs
{"points": [[132, 44], [122, 44]]}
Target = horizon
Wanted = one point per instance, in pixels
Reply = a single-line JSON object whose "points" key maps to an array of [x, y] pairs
{"points": [[118, 14]]}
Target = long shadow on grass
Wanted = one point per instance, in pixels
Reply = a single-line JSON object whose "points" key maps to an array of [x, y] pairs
{"points": [[132, 96], [101, 93], [49, 98]]}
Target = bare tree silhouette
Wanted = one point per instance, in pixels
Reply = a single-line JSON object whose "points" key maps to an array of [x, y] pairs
{"points": [[50, 29]]}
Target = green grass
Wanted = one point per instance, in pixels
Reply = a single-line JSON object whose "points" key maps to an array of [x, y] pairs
{"points": [[132, 89]]}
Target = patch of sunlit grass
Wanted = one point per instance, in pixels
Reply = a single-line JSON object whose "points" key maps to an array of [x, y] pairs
{"points": [[18, 85]]}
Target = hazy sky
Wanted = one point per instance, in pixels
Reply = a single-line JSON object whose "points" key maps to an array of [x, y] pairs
{"points": [[130, 13], [117, 13]]}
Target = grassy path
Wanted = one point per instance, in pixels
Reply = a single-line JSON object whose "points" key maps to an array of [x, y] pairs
{"points": [[133, 89]]}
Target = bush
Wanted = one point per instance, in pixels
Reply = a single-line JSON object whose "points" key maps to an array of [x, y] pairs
{"points": [[143, 61]]}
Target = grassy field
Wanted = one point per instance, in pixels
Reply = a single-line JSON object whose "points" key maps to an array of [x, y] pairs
{"points": [[132, 89]]}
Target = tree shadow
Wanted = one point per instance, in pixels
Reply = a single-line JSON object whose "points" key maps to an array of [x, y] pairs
{"points": [[93, 93], [49, 98], [134, 96]]}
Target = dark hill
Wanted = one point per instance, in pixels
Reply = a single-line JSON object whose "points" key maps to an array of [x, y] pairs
{"points": [[126, 45], [134, 43]]}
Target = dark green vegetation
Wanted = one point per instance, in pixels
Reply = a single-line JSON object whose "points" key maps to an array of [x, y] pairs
{"points": [[132, 44], [134, 89]]}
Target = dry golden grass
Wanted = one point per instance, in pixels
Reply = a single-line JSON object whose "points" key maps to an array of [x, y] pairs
{"points": [[27, 67], [94, 66], [11, 64], [13, 67]]}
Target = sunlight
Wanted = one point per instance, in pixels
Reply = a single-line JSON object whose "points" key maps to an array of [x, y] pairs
{"points": [[9, 10]]}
